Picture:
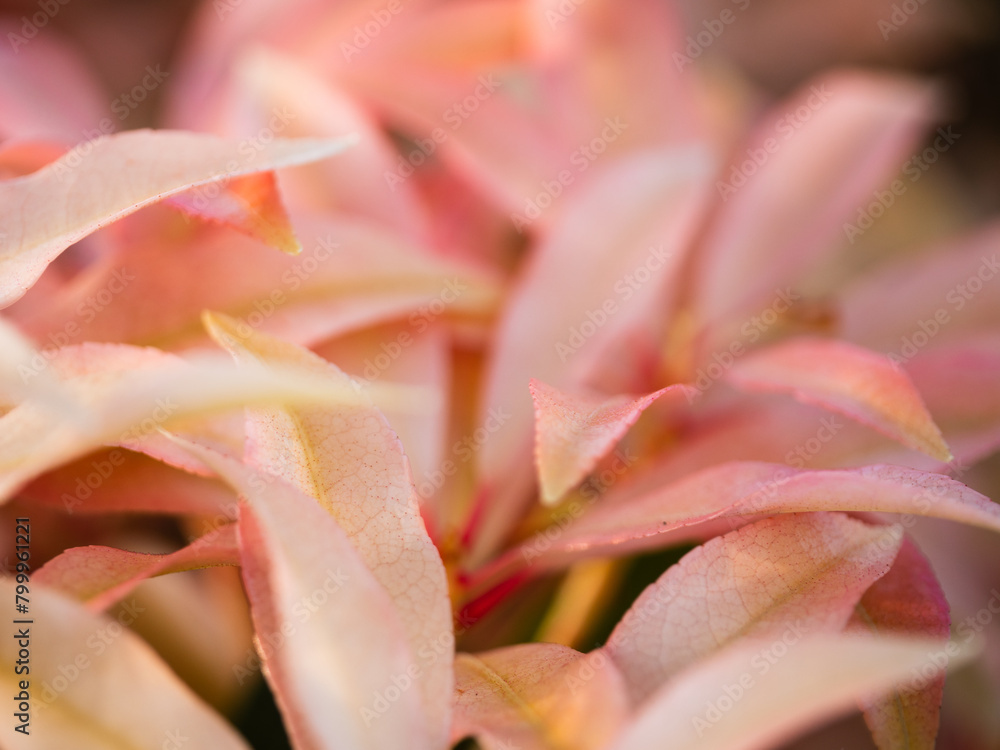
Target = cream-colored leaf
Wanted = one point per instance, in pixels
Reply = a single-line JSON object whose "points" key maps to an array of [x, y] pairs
{"points": [[352, 463]]}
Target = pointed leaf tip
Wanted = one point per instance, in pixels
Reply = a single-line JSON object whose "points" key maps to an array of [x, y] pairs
{"points": [[572, 432]]}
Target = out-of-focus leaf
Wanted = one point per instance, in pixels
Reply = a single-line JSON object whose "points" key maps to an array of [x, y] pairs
{"points": [[364, 181], [538, 696], [102, 576], [837, 140], [908, 600], [116, 480], [351, 461], [778, 579], [131, 391], [554, 322], [350, 275], [853, 381], [100, 181], [946, 292], [958, 381], [94, 685], [572, 433]]}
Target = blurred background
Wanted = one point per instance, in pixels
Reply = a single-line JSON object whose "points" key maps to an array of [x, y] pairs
{"points": [[771, 48]]}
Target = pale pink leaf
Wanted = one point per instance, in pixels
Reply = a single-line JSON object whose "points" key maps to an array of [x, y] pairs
{"points": [[856, 382], [122, 394], [572, 433], [116, 480], [538, 696], [741, 700], [958, 381], [790, 189], [101, 181], [353, 464], [733, 492], [908, 600], [555, 323], [329, 634], [102, 576], [363, 182], [777, 579], [939, 293], [95, 685], [350, 275]]}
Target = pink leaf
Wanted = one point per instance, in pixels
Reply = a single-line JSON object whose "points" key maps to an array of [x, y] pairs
{"points": [[938, 293], [777, 579], [651, 204], [103, 180], [352, 463], [329, 634], [958, 381], [837, 140], [850, 380], [102, 576], [359, 183], [116, 480], [249, 204], [538, 696], [908, 600], [738, 490], [349, 276], [572, 433], [741, 700]]}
